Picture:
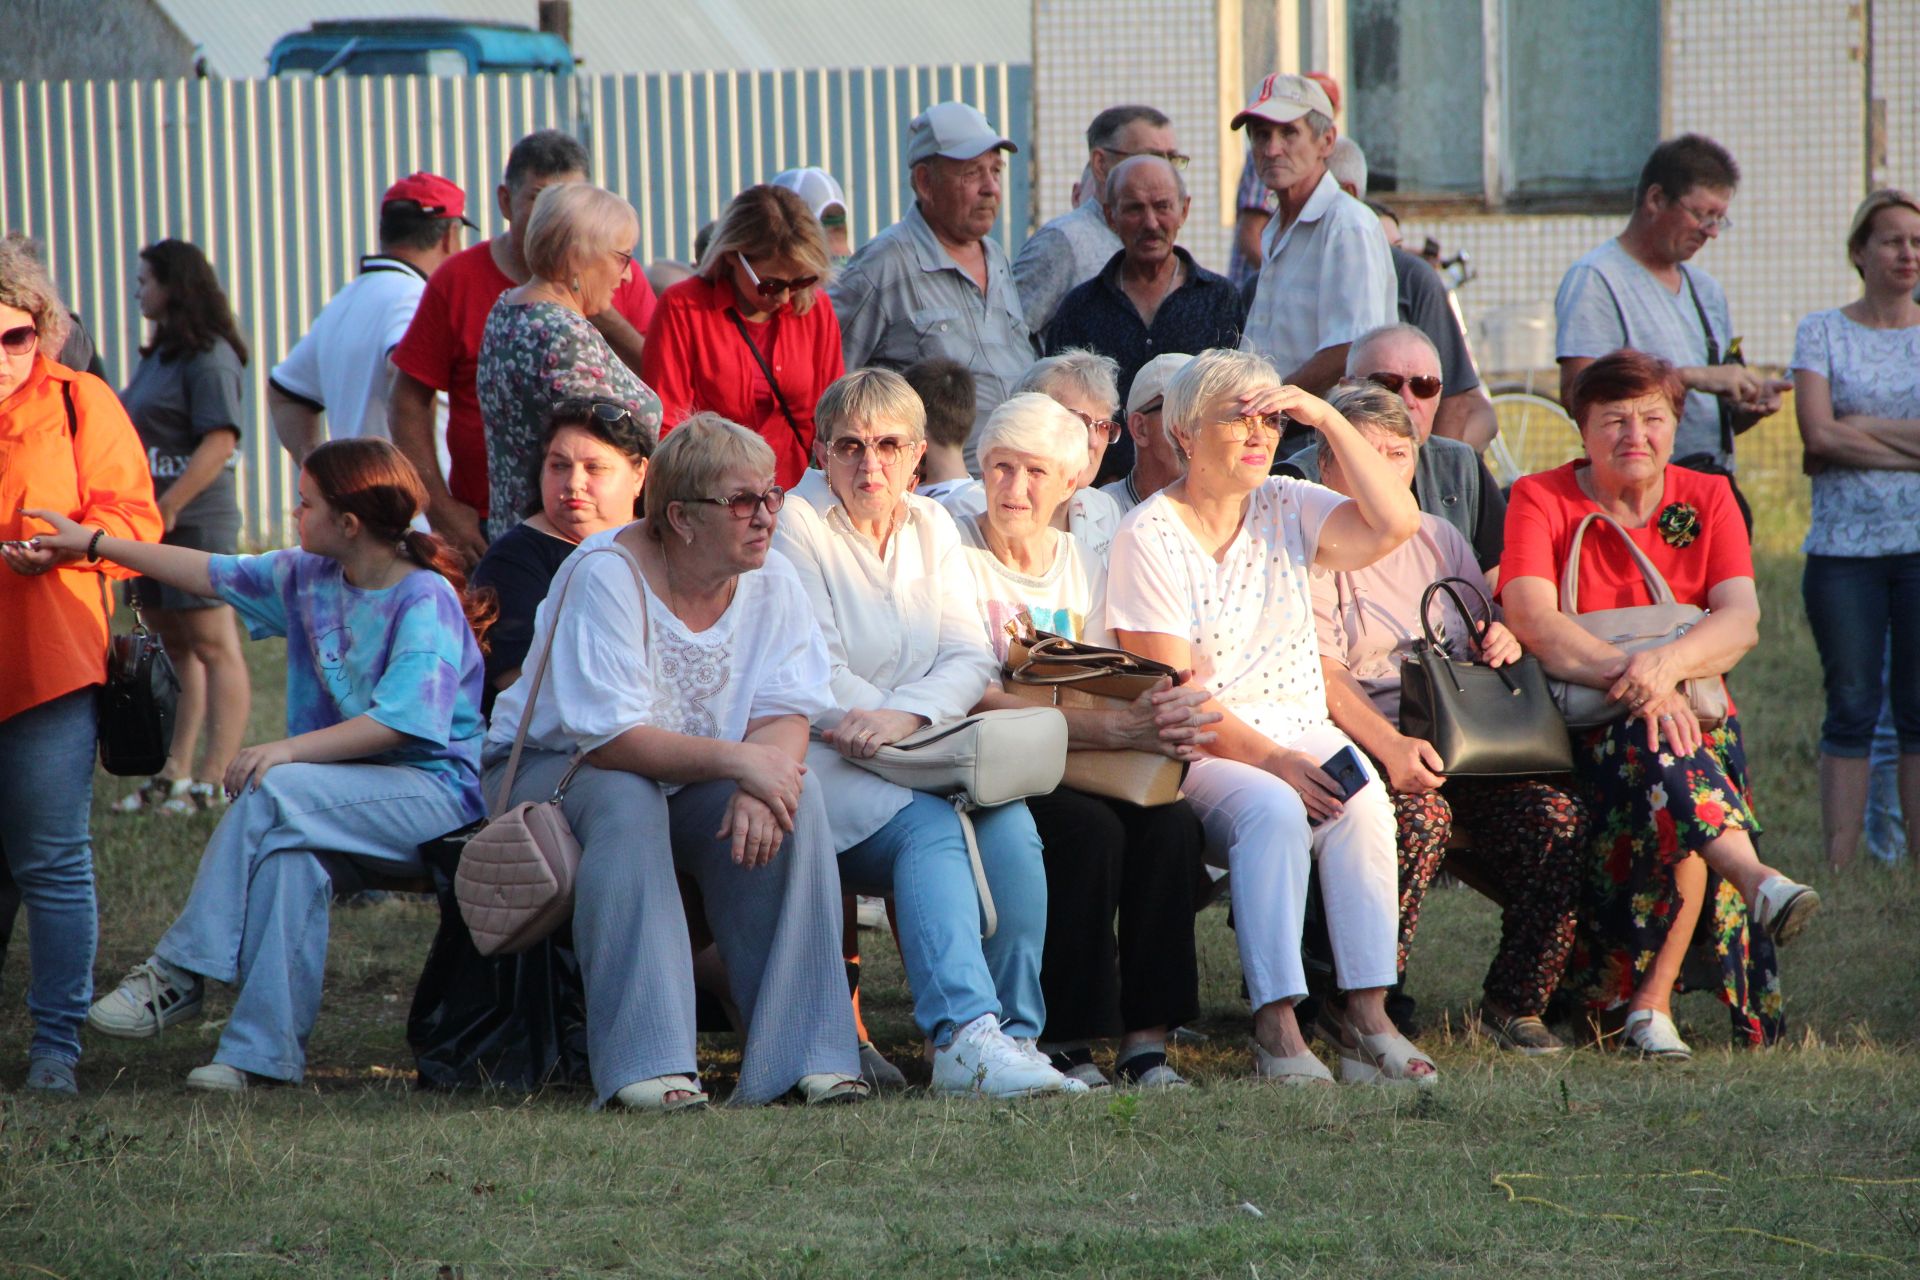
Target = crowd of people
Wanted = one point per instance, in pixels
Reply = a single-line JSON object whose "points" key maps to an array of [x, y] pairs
{"points": [[684, 562]]}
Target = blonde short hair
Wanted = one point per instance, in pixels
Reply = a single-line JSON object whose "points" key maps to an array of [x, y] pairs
{"points": [[1369, 406], [1039, 425], [26, 286], [867, 397], [1093, 375], [770, 221], [571, 223], [695, 457], [1209, 377]]}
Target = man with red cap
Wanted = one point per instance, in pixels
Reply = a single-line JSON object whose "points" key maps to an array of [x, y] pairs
{"points": [[1253, 207], [340, 367], [1326, 275]]}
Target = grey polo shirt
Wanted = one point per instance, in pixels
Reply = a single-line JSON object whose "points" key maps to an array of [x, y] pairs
{"points": [[903, 298], [1066, 252]]}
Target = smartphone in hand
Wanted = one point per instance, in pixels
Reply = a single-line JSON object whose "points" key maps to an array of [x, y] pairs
{"points": [[1348, 774]]}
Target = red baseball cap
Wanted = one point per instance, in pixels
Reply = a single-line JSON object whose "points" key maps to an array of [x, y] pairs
{"points": [[433, 194], [1328, 83]]}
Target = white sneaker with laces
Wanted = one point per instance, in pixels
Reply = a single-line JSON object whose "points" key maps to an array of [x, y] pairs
{"points": [[148, 1000], [983, 1060]]}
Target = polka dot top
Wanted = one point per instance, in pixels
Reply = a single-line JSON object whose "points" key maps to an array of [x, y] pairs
{"points": [[1247, 616]]}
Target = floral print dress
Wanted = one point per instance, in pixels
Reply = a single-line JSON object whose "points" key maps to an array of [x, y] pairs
{"points": [[532, 356]]}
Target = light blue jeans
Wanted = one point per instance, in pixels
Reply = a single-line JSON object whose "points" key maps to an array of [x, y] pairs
{"points": [[1885, 829], [257, 915], [46, 793], [920, 857]]}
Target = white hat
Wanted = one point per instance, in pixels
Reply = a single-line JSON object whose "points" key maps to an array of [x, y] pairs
{"points": [[954, 130], [1150, 384], [1285, 98], [816, 186]]}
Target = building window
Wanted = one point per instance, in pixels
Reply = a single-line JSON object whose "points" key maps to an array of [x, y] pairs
{"points": [[1513, 102]]}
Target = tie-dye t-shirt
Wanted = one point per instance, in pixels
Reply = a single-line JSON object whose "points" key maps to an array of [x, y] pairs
{"points": [[1068, 599], [403, 656]]}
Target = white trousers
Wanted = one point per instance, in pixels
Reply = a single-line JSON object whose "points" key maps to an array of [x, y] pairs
{"points": [[1257, 828]]}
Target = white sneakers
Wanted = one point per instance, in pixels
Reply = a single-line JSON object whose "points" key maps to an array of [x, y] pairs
{"points": [[152, 997], [983, 1060]]}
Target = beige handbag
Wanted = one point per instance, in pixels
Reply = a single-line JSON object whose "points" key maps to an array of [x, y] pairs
{"points": [[1052, 670], [989, 758], [516, 874], [1630, 630]]}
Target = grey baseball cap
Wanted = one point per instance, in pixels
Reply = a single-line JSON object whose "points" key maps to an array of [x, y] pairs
{"points": [[954, 130]]}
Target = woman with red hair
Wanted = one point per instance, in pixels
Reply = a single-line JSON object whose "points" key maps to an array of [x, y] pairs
{"points": [[382, 750]]}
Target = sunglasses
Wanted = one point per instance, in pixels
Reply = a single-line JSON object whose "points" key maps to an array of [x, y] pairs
{"points": [[742, 505], [768, 288], [1423, 387], [853, 449], [17, 342], [1098, 426]]}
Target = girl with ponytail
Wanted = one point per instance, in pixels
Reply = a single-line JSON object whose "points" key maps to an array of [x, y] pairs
{"points": [[382, 750]]}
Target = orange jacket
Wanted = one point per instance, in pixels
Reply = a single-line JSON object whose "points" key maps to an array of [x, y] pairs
{"points": [[53, 627]]}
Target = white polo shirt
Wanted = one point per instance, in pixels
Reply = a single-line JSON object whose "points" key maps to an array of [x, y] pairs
{"points": [[341, 363], [1324, 280]]}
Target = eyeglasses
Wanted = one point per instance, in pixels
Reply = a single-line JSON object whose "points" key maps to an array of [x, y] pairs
{"points": [[853, 449], [774, 285], [1706, 221], [1175, 158], [1424, 387], [17, 342], [626, 259], [1240, 430], [743, 505], [1098, 426]]}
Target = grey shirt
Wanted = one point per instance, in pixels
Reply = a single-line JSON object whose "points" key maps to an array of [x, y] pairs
{"points": [[1424, 305], [1607, 300], [173, 404], [903, 298], [1066, 252]]}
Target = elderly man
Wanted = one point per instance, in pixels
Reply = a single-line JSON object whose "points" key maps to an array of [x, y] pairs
{"points": [[1465, 411], [1150, 297], [1326, 276], [1637, 291], [1156, 464], [933, 283], [441, 351], [1449, 480], [1070, 249]]}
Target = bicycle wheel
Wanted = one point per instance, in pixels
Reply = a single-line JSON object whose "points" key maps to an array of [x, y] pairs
{"points": [[1535, 432]]}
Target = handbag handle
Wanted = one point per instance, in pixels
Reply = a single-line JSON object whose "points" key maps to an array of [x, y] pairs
{"points": [[540, 675], [1052, 650], [1476, 630], [1570, 576]]}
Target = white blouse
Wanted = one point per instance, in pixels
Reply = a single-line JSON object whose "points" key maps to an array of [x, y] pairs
{"points": [[902, 634], [763, 657], [1248, 616]]}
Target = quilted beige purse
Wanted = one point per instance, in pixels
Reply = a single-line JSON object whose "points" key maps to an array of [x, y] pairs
{"points": [[515, 881]]}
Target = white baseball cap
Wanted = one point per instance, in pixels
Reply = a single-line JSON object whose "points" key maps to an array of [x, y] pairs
{"points": [[1285, 98], [816, 186], [1150, 384], [954, 130]]}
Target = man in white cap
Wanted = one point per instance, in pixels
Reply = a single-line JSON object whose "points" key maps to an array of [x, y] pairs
{"points": [[1326, 276], [934, 283], [821, 190], [1156, 464]]}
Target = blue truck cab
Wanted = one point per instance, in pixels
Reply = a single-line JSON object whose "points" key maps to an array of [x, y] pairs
{"points": [[417, 47]]}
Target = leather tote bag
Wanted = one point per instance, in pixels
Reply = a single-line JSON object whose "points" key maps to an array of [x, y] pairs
{"points": [[1486, 722], [1631, 629], [1048, 669], [136, 705]]}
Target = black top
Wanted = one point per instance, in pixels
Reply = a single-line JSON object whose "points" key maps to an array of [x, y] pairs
{"points": [[1424, 305], [519, 566]]}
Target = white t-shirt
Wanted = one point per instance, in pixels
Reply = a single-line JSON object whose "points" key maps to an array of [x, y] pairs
{"points": [[1068, 599], [1249, 617], [763, 657], [1092, 516], [341, 363]]}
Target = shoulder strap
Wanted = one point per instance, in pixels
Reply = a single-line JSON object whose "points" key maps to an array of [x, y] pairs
{"points": [[1713, 357], [540, 672], [1476, 630], [778, 397], [1570, 576]]}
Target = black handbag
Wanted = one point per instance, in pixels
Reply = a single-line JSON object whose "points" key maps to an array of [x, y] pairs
{"points": [[1486, 722], [136, 705]]}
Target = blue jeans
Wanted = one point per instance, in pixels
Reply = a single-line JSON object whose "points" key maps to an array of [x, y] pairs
{"points": [[920, 857], [1886, 830], [46, 795], [257, 915], [1861, 608]]}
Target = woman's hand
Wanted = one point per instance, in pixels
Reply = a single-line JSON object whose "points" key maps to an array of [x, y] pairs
{"points": [[250, 765], [861, 733], [770, 776], [1167, 720], [1648, 675], [1671, 717], [1498, 646], [67, 535], [1318, 791], [1302, 406], [1412, 765], [756, 830], [34, 559]]}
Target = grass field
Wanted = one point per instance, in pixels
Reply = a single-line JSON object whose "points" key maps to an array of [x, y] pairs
{"points": [[1800, 1160]]}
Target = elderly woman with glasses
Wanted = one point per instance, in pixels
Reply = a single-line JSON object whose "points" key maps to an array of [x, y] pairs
{"points": [[887, 574], [752, 335], [1211, 575], [539, 347], [683, 670]]}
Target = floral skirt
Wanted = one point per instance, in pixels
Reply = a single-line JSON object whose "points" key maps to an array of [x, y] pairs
{"points": [[1649, 811]]}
